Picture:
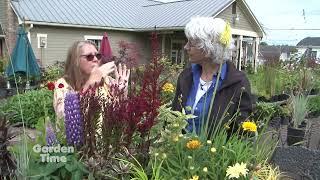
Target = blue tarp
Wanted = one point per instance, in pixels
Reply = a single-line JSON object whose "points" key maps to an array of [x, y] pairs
{"points": [[22, 57]]}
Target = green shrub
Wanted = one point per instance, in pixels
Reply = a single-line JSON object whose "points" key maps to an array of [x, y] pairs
{"points": [[34, 105], [54, 72], [314, 104], [264, 112], [3, 64]]}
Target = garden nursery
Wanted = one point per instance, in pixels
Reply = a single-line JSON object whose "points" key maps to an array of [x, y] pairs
{"points": [[137, 135]]}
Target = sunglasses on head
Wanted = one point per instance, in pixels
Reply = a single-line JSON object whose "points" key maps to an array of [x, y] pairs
{"points": [[90, 57]]}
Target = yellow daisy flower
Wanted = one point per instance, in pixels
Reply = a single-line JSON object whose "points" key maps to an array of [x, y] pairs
{"points": [[175, 138], [195, 177], [168, 87], [205, 169], [193, 144], [213, 150], [237, 170], [249, 126]]}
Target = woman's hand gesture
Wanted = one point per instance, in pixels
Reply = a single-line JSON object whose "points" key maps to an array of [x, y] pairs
{"points": [[122, 75], [99, 73]]}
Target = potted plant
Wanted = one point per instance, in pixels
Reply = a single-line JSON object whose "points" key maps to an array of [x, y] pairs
{"points": [[296, 132]]}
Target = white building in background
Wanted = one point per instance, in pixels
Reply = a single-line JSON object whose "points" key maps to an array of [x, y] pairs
{"points": [[311, 43]]}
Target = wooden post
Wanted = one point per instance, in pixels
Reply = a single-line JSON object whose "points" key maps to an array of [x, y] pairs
{"points": [[240, 38], [163, 44], [255, 54]]}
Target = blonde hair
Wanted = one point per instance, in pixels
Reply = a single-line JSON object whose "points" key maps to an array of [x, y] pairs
{"points": [[206, 31], [72, 72]]}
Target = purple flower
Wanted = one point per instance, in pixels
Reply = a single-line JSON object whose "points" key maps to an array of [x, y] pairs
{"points": [[73, 120], [50, 135]]}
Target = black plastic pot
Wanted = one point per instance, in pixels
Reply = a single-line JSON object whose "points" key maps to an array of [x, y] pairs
{"points": [[275, 98], [280, 97], [314, 91], [295, 135]]}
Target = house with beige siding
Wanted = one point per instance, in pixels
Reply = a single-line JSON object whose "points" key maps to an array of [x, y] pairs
{"points": [[53, 25]]}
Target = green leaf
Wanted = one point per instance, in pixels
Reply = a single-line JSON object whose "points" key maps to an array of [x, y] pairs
{"points": [[76, 175], [91, 177]]}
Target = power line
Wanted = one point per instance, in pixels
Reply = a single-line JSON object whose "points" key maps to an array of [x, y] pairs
{"points": [[295, 29]]}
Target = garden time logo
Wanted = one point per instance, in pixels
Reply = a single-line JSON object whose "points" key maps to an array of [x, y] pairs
{"points": [[54, 154]]}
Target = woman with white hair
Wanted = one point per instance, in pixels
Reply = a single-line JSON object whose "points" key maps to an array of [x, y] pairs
{"points": [[209, 50]]}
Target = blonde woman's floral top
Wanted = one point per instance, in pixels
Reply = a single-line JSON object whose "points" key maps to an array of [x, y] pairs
{"points": [[60, 91]]}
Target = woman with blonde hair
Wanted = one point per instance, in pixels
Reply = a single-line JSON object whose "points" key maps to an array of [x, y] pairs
{"points": [[83, 69]]}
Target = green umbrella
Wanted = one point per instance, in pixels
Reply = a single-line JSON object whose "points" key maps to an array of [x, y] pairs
{"points": [[22, 57]]}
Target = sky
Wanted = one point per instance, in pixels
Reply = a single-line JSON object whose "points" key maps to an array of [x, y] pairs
{"points": [[287, 14]]}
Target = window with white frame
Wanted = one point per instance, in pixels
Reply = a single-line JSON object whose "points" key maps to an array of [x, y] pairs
{"points": [[95, 39], [177, 51], [42, 40]]}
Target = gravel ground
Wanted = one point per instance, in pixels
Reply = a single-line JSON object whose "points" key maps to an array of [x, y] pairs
{"points": [[298, 162]]}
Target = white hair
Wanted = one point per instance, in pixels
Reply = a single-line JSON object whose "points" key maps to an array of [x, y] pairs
{"points": [[205, 31]]}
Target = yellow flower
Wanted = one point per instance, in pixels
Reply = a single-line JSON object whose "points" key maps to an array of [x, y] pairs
{"points": [[209, 142], [176, 138], [237, 170], [168, 87], [225, 36], [249, 126], [205, 169], [195, 177], [175, 125], [164, 155], [213, 150], [193, 144]]}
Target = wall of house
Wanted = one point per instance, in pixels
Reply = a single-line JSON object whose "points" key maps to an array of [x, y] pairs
{"points": [[174, 37], [301, 50], [244, 23], [2, 11], [59, 39], [9, 22]]}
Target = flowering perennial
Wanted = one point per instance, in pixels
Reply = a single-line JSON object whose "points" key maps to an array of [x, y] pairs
{"points": [[168, 87], [73, 119], [237, 170], [249, 126], [193, 144], [195, 177], [51, 138], [50, 86]]}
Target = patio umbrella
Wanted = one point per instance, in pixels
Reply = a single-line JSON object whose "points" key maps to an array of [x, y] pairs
{"points": [[105, 49], [22, 57]]}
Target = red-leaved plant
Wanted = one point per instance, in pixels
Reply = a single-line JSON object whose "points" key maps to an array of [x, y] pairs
{"points": [[125, 117], [134, 114]]}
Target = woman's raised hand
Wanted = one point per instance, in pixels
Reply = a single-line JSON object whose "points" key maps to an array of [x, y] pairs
{"points": [[122, 75], [99, 73], [107, 68]]}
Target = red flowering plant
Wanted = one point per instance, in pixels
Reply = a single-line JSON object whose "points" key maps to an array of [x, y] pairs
{"points": [[51, 86], [122, 121]]}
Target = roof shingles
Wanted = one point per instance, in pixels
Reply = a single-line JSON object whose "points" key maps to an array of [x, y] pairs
{"points": [[309, 41], [129, 14]]}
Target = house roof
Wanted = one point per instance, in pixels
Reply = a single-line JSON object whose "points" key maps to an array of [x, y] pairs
{"points": [[309, 41], [270, 52], [126, 14]]}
